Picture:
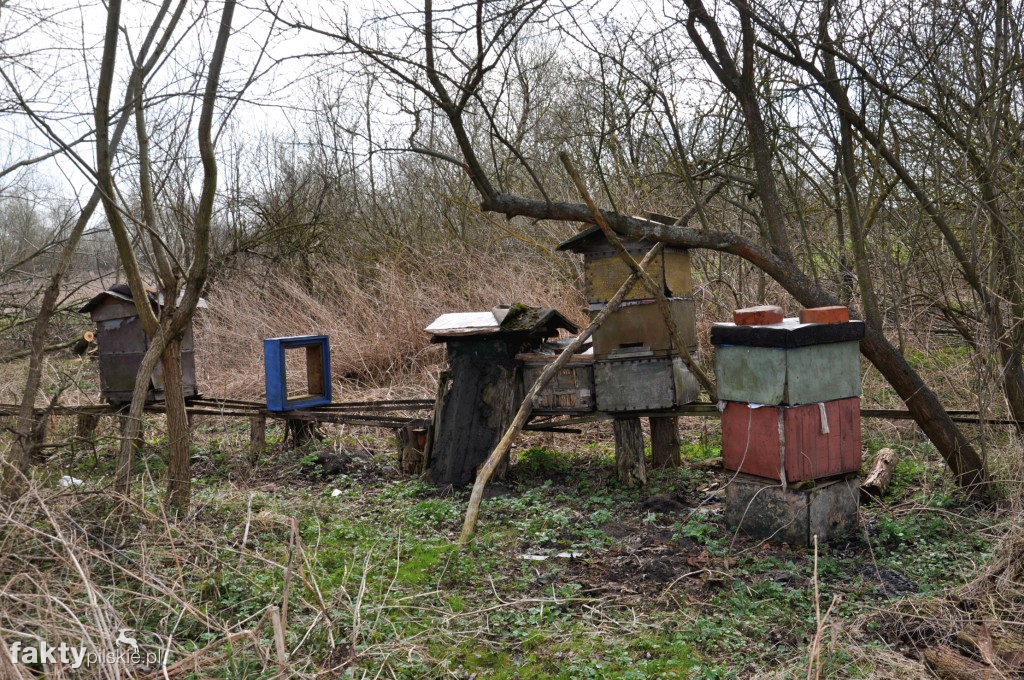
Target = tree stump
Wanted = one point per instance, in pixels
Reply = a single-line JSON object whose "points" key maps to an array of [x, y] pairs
{"points": [[86, 424], [665, 442], [412, 446], [303, 432], [629, 451]]}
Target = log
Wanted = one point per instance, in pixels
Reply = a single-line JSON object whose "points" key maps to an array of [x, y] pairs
{"points": [[664, 442], [877, 482], [949, 664], [629, 451], [14, 356], [83, 343]]}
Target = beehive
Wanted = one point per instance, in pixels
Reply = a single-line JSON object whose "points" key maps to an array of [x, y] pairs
{"points": [[123, 342], [791, 389], [636, 361], [792, 443]]}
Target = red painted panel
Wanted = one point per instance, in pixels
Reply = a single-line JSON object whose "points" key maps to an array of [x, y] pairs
{"points": [[750, 440]]}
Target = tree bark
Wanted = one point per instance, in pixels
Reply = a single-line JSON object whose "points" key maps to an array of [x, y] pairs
{"points": [[179, 432]]}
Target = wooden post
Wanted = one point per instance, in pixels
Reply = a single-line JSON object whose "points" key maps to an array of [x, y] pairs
{"points": [[664, 442], [257, 438], [304, 431], [85, 425], [629, 451]]}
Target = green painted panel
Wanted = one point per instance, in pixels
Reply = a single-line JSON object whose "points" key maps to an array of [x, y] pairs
{"points": [[756, 375], [823, 372], [805, 375]]}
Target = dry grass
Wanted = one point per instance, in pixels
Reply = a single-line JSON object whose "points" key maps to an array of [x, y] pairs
{"points": [[375, 318], [81, 568]]}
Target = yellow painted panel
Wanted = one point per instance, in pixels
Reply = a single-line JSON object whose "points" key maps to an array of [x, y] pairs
{"points": [[677, 273], [605, 274]]}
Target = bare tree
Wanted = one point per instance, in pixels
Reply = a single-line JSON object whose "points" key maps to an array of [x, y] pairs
{"points": [[180, 283]]}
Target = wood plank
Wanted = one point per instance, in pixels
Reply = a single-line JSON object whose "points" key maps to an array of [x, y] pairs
{"points": [[678, 275]]}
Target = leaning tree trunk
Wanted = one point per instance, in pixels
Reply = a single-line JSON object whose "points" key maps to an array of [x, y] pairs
{"points": [[179, 434]]}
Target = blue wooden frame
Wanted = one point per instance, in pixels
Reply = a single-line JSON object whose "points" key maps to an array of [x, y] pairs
{"points": [[318, 357]]}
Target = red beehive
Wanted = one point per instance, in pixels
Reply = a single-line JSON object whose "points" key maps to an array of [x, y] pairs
{"points": [[768, 441]]}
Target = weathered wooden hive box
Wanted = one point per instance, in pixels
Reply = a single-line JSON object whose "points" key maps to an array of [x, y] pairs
{"points": [[571, 391], [638, 323], [485, 382], [792, 392], [636, 364], [123, 342], [764, 509]]}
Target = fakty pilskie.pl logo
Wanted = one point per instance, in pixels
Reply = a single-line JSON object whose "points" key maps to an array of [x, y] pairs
{"points": [[41, 652]]}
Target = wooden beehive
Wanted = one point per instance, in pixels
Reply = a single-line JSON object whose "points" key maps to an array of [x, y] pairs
{"points": [[794, 443], [483, 390], [605, 272], [123, 342], [640, 324], [787, 363], [643, 384], [571, 391], [637, 366]]}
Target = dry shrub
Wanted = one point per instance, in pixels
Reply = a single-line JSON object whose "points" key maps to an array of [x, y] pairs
{"points": [[375, 317]]}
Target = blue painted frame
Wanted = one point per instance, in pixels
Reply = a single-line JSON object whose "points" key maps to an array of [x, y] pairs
{"points": [[274, 368]]}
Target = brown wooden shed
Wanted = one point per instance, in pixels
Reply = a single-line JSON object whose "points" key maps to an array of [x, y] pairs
{"points": [[123, 342]]}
